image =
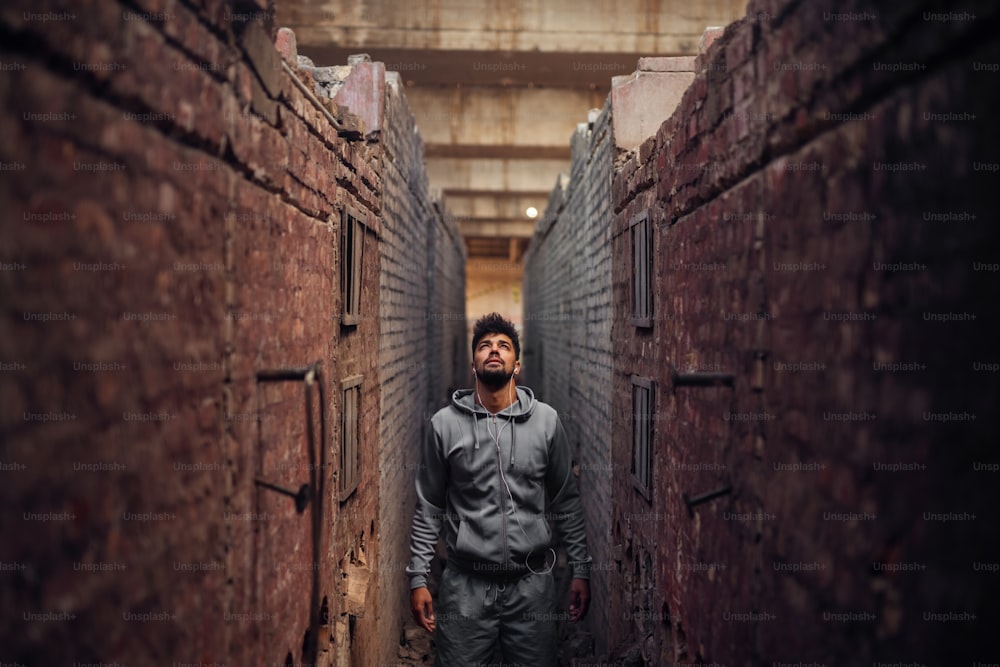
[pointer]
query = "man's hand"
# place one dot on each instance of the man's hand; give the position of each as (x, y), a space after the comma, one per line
(423, 608)
(579, 599)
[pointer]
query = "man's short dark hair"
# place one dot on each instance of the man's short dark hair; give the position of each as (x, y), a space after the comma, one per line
(494, 323)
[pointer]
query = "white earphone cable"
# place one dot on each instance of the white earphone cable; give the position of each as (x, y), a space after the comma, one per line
(503, 478)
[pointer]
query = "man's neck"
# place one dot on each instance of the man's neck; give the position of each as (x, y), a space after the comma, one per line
(495, 400)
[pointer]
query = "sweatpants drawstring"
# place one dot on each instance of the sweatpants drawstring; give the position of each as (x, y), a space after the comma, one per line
(500, 588)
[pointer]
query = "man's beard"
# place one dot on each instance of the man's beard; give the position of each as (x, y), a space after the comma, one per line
(494, 378)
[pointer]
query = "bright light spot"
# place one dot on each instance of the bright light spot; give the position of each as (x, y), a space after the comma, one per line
(532, 212)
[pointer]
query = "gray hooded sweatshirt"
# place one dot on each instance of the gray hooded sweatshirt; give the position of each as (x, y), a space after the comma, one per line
(485, 480)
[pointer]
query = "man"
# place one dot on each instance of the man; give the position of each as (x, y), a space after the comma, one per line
(490, 462)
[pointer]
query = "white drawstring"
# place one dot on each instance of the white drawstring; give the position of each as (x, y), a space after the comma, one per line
(503, 478)
(500, 588)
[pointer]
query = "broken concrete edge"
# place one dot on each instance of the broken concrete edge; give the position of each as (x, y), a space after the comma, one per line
(347, 124)
(363, 93)
(656, 65)
(645, 99)
(269, 58)
(666, 64)
(358, 87)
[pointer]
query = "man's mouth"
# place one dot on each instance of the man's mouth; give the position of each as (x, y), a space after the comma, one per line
(494, 361)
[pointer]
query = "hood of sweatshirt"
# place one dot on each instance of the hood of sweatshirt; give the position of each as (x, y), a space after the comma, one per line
(465, 401)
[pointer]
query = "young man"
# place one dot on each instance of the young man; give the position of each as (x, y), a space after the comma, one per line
(496, 465)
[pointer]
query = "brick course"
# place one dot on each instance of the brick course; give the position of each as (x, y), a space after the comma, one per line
(175, 200)
(567, 333)
(776, 216)
(422, 310)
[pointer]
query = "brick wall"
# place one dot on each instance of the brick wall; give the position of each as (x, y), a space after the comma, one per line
(448, 357)
(821, 201)
(172, 223)
(422, 308)
(567, 332)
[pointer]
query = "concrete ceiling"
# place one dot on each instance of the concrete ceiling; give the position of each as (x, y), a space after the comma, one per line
(497, 87)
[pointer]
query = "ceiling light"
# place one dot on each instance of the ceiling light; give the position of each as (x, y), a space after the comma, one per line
(531, 212)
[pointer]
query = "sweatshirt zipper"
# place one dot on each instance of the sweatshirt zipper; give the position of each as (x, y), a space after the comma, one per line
(503, 512)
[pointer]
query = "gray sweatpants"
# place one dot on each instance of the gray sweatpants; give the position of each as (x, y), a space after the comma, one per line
(474, 614)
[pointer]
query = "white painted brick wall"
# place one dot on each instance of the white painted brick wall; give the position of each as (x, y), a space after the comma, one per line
(568, 313)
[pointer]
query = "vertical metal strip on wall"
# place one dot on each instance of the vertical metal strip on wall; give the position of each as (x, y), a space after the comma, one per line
(313, 491)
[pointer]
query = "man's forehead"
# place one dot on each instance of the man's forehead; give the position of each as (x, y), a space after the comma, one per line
(491, 337)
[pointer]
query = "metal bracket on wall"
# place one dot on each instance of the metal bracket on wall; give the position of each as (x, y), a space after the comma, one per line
(702, 379)
(313, 491)
(704, 498)
(302, 496)
(310, 375)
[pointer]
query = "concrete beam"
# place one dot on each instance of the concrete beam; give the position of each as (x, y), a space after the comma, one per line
(533, 177)
(512, 118)
(508, 228)
(480, 151)
(420, 67)
(636, 26)
(492, 207)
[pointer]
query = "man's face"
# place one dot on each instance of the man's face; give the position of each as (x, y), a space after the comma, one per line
(494, 359)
